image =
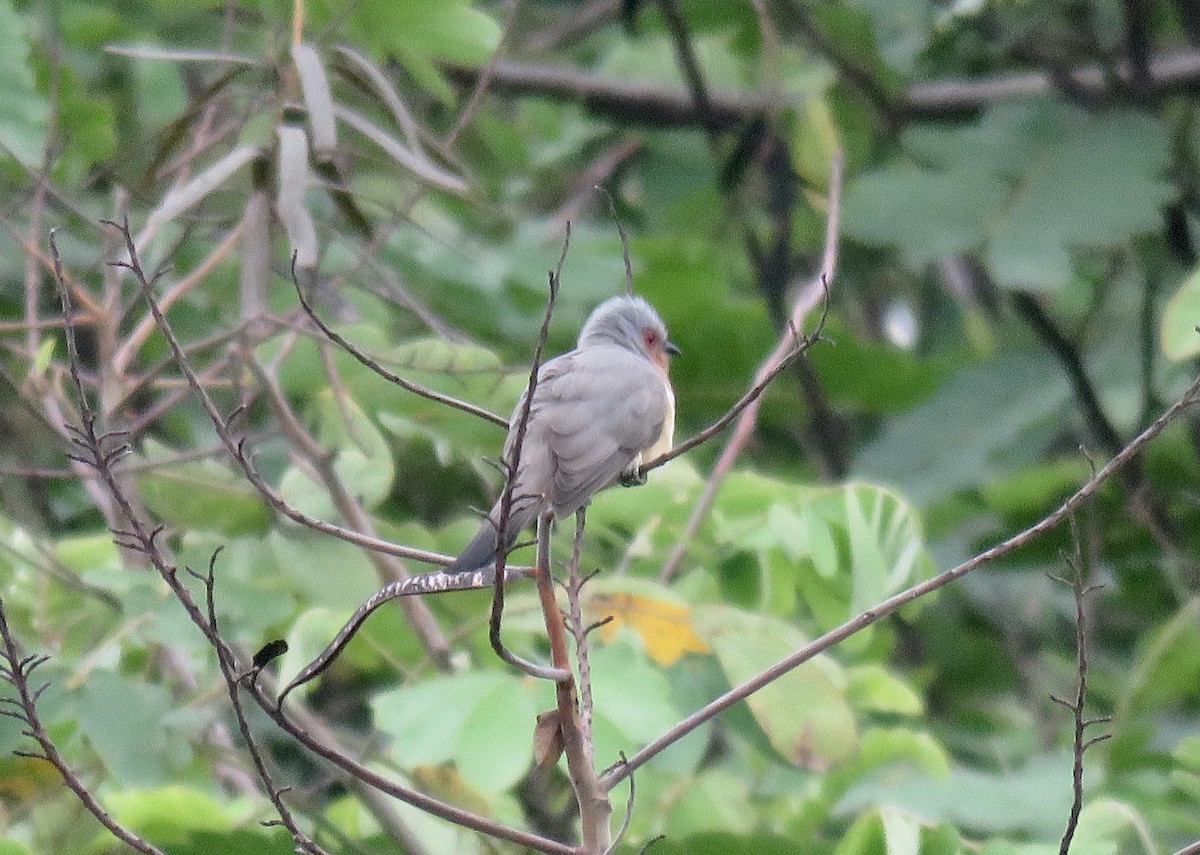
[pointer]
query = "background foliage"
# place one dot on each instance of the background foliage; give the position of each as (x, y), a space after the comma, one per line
(1016, 280)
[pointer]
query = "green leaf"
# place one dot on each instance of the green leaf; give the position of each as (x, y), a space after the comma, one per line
(327, 571)
(1031, 800)
(428, 720)
(988, 417)
(202, 494)
(169, 814)
(1107, 826)
(494, 748)
(1029, 184)
(24, 113)
(805, 714)
(1180, 318)
(363, 459)
(715, 800)
(632, 699)
(886, 550)
(926, 214)
(450, 30)
(901, 830)
(874, 688)
(126, 723)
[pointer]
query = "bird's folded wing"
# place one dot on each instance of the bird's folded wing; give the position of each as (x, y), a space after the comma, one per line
(597, 408)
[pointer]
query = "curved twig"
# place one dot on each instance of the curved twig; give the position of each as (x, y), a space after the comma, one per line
(390, 376)
(556, 673)
(436, 582)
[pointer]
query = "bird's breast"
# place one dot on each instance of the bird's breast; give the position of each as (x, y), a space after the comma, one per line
(666, 437)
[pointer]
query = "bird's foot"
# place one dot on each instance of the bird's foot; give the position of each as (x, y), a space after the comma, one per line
(634, 477)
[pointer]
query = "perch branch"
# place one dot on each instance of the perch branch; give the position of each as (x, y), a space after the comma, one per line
(888, 606)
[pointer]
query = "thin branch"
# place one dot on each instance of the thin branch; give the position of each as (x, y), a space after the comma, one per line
(612, 209)
(628, 814)
(1147, 507)
(1080, 742)
(145, 540)
(229, 671)
(513, 466)
(17, 673)
(388, 567)
(785, 352)
(438, 582)
(689, 65)
(890, 605)
(236, 447)
(390, 376)
(137, 337)
(313, 734)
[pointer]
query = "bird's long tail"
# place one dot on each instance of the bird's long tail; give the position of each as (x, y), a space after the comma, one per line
(481, 551)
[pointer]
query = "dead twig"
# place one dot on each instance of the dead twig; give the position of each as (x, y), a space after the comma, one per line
(1080, 742)
(512, 465)
(23, 708)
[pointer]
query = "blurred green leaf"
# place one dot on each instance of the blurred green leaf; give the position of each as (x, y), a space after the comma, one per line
(124, 721)
(202, 493)
(1180, 318)
(1028, 184)
(805, 713)
(873, 688)
(23, 110)
(988, 417)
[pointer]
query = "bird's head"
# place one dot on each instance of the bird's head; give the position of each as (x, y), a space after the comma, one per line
(632, 323)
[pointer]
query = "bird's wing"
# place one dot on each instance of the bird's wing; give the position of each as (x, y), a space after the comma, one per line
(596, 409)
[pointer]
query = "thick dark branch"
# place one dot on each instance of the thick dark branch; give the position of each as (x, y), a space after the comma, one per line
(625, 100)
(648, 104)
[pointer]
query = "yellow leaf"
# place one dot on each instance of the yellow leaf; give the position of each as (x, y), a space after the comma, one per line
(665, 627)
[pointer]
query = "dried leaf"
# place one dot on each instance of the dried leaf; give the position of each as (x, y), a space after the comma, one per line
(665, 627)
(422, 167)
(182, 198)
(318, 100)
(547, 739)
(289, 200)
(390, 97)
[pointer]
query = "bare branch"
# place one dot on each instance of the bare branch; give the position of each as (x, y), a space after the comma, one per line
(17, 673)
(388, 567)
(559, 672)
(390, 376)
(236, 447)
(229, 671)
(145, 540)
(890, 605)
(1080, 743)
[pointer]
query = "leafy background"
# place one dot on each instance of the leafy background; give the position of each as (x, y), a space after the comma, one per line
(1016, 280)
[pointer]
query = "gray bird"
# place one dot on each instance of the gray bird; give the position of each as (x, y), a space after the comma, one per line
(599, 412)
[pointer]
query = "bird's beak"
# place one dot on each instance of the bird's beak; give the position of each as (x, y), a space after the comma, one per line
(672, 348)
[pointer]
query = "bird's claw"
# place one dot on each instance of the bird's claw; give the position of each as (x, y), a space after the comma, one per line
(634, 477)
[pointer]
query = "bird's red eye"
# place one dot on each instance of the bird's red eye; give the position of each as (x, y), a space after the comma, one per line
(650, 337)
